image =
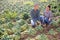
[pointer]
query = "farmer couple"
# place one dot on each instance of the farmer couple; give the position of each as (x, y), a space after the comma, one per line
(37, 18)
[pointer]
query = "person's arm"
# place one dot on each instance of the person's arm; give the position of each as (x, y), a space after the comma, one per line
(51, 16)
(44, 14)
(38, 22)
(38, 14)
(31, 13)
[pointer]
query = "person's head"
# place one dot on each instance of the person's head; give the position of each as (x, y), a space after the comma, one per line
(36, 6)
(48, 7)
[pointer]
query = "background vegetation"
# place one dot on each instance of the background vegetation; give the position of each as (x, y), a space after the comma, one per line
(15, 19)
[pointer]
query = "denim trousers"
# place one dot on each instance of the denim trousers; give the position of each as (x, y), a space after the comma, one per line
(42, 19)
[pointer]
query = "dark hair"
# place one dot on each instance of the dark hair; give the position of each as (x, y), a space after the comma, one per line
(49, 6)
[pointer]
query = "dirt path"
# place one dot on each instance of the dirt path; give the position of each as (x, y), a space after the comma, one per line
(37, 33)
(45, 31)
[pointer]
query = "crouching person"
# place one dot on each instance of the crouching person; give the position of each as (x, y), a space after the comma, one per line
(35, 15)
(48, 15)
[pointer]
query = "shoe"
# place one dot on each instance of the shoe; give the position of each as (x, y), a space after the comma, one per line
(33, 26)
(38, 23)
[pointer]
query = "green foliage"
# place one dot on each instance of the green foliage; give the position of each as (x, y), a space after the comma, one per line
(9, 31)
(18, 11)
(39, 27)
(5, 37)
(1, 32)
(42, 37)
(1, 22)
(17, 18)
(21, 22)
(28, 38)
(56, 14)
(10, 15)
(29, 2)
(5, 26)
(52, 32)
(16, 28)
(17, 37)
(29, 20)
(58, 21)
(24, 27)
(10, 37)
(25, 16)
(55, 7)
(31, 31)
(10, 25)
(58, 29)
(54, 24)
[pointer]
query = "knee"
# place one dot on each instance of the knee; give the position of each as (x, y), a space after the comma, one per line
(32, 22)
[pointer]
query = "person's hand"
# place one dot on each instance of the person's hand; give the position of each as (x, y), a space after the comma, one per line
(49, 19)
(38, 23)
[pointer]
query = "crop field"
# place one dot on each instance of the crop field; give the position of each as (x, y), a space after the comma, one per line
(15, 20)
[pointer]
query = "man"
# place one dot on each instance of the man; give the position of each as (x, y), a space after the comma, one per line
(35, 15)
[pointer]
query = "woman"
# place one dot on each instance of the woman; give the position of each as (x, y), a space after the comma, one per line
(47, 16)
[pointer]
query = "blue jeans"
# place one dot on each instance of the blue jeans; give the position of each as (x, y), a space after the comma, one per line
(47, 21)
(44, 20)
(33, 21)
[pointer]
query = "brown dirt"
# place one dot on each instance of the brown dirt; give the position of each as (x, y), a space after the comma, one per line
(31, 36)
(58, 36)
(51, 37)
(45, 31)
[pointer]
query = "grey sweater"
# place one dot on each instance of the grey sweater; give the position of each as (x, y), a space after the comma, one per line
(48, 14)
(35, 14)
